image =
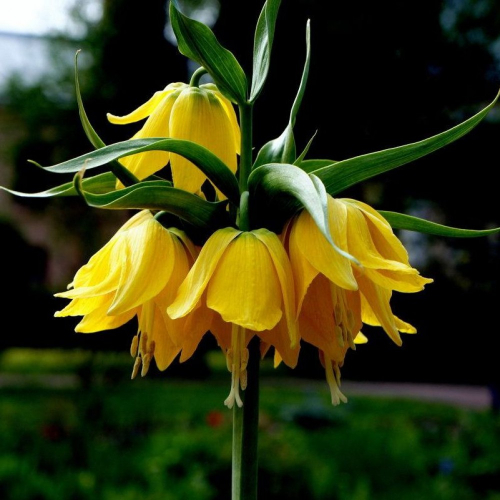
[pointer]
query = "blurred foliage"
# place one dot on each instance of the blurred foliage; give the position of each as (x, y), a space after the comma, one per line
(167, 439)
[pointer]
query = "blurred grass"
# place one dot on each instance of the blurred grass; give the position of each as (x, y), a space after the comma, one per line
(109, 438)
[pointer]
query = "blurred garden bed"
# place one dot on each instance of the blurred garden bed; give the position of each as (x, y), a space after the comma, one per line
(105, 437)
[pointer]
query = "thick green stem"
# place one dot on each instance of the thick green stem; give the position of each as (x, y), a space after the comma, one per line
(246, 115)
(245, 432)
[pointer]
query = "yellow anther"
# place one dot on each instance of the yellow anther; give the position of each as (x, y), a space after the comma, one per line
(133, 347)
(135, 369)
(146, 360)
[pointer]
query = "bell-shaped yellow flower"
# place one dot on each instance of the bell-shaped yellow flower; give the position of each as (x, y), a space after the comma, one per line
(246, 279)
(198, 114)
(137, 273)
(334, 296)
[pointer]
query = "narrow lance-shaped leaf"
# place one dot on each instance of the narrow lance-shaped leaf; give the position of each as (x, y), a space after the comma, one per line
(346, 173)
(158, 195)
(122, 173)
(282, 149)
(102, 183)
(198, 42)
(264, 36)
(313, 165)
(282, 189)
(214, 168)
(411, 223)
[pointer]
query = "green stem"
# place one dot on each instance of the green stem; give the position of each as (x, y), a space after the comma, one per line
(125, 176)
(246, 432)
(246, 116)
(195, 79)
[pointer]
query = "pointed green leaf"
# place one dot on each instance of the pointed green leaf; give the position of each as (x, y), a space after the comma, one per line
(264, 36)
(279, 190)
(302, 155)
(158, 195)
(411, 223)
(198, 42)
(102, 183)
(313, 165)
(91, 134)
(215, 169)
(122, 173)
(282, 149)
(346, 173)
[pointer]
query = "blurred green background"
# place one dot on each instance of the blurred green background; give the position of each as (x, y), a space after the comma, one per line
(383, 74)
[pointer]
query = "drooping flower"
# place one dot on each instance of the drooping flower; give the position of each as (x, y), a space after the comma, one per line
(180, 111)
(137, 273)
(334, 295)
(245, 278)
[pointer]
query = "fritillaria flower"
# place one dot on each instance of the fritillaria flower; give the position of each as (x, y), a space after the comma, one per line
(137, 273)
(245, 278)
(180, 111)
(334, 295)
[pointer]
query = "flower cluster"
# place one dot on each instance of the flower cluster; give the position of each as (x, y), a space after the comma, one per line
(250, 247)
(283, 288)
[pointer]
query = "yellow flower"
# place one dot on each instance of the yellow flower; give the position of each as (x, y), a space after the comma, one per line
(137, 273)
(198, 114)
(245, 278)
(334, 296)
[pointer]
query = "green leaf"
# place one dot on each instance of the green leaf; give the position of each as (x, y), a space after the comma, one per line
(215, 169)
(126, 177)
(279, 190)
(346, 173)
(264, 36)
(302, 155)
(411, 223)
(313, 165)
(198, 42)
(282, 149)
(99, 184)
(158, 195)
(91, 134)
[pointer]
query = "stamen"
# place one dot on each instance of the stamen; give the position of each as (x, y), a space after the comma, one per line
(146, 360)
(339, 335)
(333, 380)
(135, 369)
(134, 346)
(237, 360)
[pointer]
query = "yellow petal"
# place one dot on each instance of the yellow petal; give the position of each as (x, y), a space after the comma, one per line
(284, 271)
(303, 272)
(198, 116)
(279, 338)
(147, 265)
(151, 322)
(383, 236)
(98, 320)
(319, 252)
(81, 307)
(377, 299)
(317, 320)
(197, 280)
(143, 111)
(360, 338)
(229, 109)
(245, 289)
(408, 281)
(361, 245)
